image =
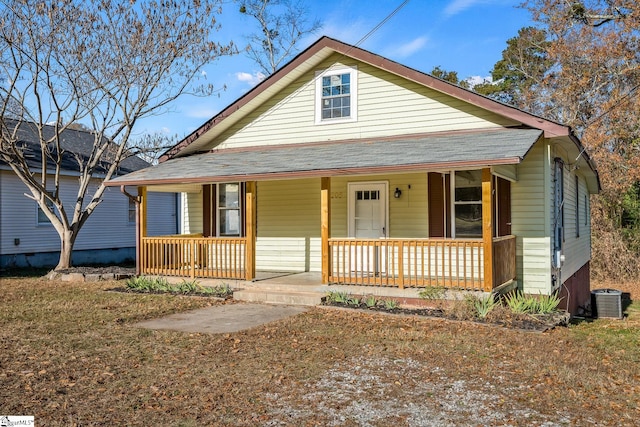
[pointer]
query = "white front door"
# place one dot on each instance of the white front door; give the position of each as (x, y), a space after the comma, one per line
(368, 220)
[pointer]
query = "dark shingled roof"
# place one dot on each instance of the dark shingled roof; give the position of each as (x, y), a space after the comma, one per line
(441, 150)
(76, 146)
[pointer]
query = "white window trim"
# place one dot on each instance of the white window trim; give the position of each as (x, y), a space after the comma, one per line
(353, 71)
(452, 197)
(219, 208)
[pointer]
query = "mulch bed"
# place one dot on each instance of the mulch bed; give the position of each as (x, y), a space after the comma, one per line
(500, 317)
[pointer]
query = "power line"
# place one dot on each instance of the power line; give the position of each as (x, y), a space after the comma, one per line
(384, 21)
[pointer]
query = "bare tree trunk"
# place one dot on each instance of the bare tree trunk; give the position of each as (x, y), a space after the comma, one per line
(67, 239)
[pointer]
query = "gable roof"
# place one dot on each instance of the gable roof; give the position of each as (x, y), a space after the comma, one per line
(443, 150)
(308, 59)
(76, 145)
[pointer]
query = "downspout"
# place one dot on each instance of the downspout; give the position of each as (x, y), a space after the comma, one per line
(136, 200)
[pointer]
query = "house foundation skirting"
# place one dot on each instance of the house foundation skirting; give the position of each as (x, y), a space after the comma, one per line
(50, 259)
(576, 291)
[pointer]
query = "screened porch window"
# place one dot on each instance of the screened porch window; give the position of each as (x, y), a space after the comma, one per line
(467, 203)
(229, 213)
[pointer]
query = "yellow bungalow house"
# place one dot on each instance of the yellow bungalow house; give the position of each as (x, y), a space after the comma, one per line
(368, 172)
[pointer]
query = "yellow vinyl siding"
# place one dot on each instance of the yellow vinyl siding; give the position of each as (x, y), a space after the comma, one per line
(387, 106)
(407, 215)
(191, 213)
(288, 225)
(529, 217)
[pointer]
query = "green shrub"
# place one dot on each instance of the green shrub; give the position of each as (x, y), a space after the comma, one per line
(371, 301)
(338, 297)
(483, 305)
(391, 304)
(518, 302)
(187, 287)
(148, 284)
(222, 291)
(548, 303)
(353, 301)
(160, 284)
(432, 292)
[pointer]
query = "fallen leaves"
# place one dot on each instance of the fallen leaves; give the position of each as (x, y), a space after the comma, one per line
(79, 365)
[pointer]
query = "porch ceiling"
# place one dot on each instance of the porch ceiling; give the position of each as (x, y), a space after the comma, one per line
(364, 156)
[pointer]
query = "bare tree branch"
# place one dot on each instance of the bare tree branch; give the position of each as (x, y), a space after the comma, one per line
(282, 24)
(103, 65)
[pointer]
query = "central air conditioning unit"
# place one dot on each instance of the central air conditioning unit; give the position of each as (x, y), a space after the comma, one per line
(606, 303)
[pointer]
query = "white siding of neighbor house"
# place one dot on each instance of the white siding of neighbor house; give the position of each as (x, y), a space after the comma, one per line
(108, 226)
(388, 105)
(530, 221)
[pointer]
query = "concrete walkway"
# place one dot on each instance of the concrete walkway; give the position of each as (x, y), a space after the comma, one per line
(223, 318)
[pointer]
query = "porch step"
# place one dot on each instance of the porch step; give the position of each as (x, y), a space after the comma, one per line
(271, 296)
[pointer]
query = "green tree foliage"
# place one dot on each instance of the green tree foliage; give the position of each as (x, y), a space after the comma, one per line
(517, 77)
(449, 76)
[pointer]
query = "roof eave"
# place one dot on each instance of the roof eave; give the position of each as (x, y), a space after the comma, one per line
(373, 170)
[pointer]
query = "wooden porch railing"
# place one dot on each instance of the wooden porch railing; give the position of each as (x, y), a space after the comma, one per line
(450, 263)
(407, 262)
(194, 256)
(504, 259)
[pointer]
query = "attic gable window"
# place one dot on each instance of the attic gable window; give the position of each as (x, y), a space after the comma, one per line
(336, 95)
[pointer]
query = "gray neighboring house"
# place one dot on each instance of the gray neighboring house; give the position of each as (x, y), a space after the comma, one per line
(27, 238)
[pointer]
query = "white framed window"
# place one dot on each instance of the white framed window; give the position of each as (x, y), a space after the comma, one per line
(229, 210)
(467, 203)
(336, 95)
(41, 217)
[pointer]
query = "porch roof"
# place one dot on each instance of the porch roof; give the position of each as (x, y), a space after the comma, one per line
(450, 150)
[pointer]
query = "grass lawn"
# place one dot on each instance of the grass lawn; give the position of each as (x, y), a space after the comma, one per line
(70, 355)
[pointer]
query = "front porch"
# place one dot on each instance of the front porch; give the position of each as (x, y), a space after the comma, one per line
(397, 263)
(480, 263)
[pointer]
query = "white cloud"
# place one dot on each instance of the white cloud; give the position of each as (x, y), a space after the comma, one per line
(251, 79)
(476, 80)
(408, 49)
(458, 6)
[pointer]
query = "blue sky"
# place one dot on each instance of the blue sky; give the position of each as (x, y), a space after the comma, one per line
(467, 36)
